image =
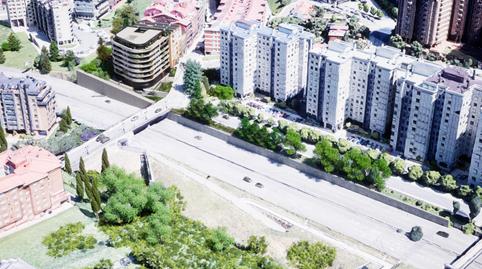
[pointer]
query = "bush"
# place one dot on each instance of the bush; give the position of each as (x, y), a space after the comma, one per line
(172, 72)
(468, 228)
(416, 233)
(257, 245)
(415, 172)
(219, 240)
(165, 86)
(305, 255)
(222, 92)
(67, 239)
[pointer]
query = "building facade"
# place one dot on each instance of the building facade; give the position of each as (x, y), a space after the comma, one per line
(91, 9)
(31, 185)
(54, 18)
(143, 54)
(271, 61)
(20, 13)
(432, 22)
(27, 105)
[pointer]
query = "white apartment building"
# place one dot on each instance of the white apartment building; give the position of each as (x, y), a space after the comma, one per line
(475, 170)
(345, 83)
(258, 58)
(53, 17)
(91, 9)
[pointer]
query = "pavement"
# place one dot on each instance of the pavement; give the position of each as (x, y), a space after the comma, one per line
(361, 218)
(87, 106)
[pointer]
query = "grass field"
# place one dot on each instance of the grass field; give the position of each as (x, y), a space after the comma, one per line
(18, 59)
(27, 243)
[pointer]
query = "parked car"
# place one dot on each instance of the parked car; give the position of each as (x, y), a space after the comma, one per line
(259, 185)
(102, 139)
(443, 234)
(247, 179)
(225, 116)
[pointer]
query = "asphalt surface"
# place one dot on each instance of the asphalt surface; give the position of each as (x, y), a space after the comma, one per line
(368, 221)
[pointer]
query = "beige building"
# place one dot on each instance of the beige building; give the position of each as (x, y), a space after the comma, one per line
(27, 105)
(31, 185)
(143, 54)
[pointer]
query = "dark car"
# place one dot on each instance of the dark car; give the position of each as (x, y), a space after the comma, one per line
(443, 234)
(259, 185)
(102, 139)
(247, 179)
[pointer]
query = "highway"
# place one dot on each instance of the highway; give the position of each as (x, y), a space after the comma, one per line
(368, 221)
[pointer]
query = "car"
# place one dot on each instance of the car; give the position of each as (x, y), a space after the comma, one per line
(443, 234)
(134, 118)
(158, 110)
(102, 139)
(247, 179)
(226, 116)
(198, 137)
(259, 185)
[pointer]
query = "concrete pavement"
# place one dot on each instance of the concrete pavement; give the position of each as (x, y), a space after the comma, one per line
(356, 216)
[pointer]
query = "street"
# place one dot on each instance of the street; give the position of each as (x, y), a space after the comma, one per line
(356, 216)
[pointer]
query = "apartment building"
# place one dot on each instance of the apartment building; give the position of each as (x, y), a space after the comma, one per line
(436, 113)
(20, 13)
(345, 83)
(27, 105)
(54, 18)
(432, 22)
(31, 185)
(91, 9)
(475, 170)
(144, 53)
(189, 15)
(257, 58)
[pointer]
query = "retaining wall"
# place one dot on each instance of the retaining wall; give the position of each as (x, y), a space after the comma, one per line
(112, 90)
(314, 172)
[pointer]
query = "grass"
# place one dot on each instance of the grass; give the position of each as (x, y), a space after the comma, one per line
(27, 244)
(276, 6)
(165, 86)
(435, 210)
(17, 59)
(141, 5)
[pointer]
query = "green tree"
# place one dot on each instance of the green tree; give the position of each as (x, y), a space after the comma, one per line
(293, 142)
(2, 57)
(105, 160)
(14, 43)
(305, 255)
(474, 206)
(257, 244)
(464, 191)
(192, 76)
(415, 172)
(67, 166)
(103, 263)
(448, 183)
(416, 233)
(104, 54)
(43, 63)
(456, 207)
(69, 60)
(67, 115)
(123, 17)
(54, 54)
(417, 48)
(3, 140)
(430, 177)
(79, 186)
(219, 240)
(201, 111)
(222, 92)
(343, 145)
(398, 167)
(82, 166)
(397, 41)
(63, 126)
(327, 155)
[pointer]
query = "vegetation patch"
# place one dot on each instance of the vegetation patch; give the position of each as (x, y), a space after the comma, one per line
(67, 239)
(305, 255)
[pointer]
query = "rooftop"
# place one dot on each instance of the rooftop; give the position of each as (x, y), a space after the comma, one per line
(456, 79)
(137, 35)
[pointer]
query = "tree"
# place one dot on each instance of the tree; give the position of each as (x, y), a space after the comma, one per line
(123, 17)
(103, 52)
(474, 206)
(103, 264)
(398, 167)
(82, 166)
(293, 142)
(305, 255)
(343, 145)
(192, 76)
(14, 43)
(43, 62)
(416, 233)
(3, 140)
(79, 186)
(415, 172)
(222, 92)
(63, 126)
(201, 111)
(2, 57)
(68, 116)
(430, 177)
(456, 207)
(417, 48)
(69, 60)
(327, 154)
(54, 54)
(397, 41)
(67, 166)
(464, 191)
(448, 183)
(219, 240)
(105, 160)
(257, 244)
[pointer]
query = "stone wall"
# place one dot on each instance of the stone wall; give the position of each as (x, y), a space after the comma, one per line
(112, 90)
(318, 174)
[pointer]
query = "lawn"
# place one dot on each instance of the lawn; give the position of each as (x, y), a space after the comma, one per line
(18, 59)
(141, 5)
(27, 244)
(277, 5)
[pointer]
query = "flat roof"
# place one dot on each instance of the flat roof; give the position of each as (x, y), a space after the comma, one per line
(137, 35)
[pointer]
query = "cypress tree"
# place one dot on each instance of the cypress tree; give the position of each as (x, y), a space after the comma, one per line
(54, 53)
(82, 167)
(68, 116)
(2, 57)
(67, 166)
(3, 140)
(79, 187)
(105, 160)
(95, 192)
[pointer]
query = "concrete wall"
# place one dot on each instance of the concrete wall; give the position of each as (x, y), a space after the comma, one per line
(318, 174)
(112, 90)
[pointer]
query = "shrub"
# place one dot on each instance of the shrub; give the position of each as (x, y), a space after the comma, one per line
(67, 239)
(305, 255)
(257, 245)
(219, 240)
(464, 191)
(468, 228)
(172, 72)
(222, 92)
(415, 172)
(416, 233)
(398, 167)
(430, 177)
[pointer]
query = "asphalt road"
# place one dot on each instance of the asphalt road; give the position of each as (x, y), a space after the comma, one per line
(346, 212)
